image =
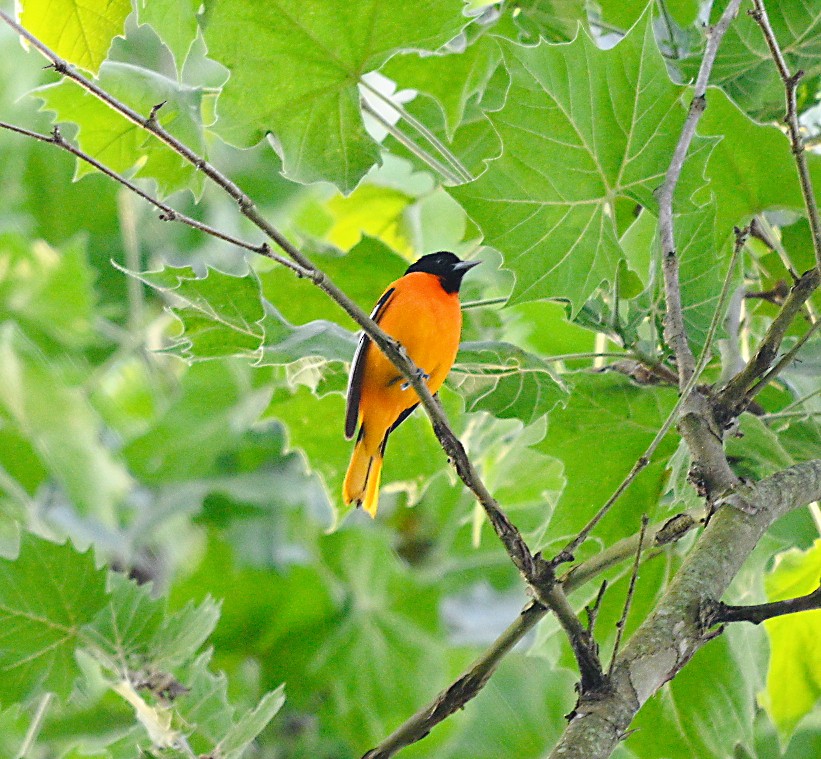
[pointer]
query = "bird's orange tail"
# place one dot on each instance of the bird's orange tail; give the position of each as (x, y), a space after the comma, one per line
(362, 479)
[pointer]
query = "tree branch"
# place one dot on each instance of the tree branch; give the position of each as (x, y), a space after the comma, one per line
(536, 572)
(667, 640)
(733, 397)
(683, 403)
(167, 212)
(468, 685)
(675, 332)
(791, 119)
(717, 612)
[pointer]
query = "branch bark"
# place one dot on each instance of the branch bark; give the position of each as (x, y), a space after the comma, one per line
(675, 332)
(716, 612)
(471, 682)
(667, 640)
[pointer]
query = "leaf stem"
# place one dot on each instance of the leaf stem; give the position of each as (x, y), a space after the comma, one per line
(35, 726)
(409, 144)
(454, 162)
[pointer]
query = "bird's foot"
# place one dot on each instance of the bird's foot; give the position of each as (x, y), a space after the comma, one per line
(421, 374)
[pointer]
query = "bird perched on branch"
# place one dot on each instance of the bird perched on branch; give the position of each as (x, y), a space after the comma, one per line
(421, 310)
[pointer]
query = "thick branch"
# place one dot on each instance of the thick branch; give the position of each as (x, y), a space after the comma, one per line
(466, 687)
(667, 640)
(717, 612)
(674, 330)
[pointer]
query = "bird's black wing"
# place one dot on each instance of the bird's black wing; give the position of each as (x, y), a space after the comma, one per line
(358, 367)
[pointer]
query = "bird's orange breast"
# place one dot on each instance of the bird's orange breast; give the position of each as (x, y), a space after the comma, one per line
(427, 321)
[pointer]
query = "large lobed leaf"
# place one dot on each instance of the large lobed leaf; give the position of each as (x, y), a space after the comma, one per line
(573, 145)
(79, 32)
(295, 67)
(47, 595)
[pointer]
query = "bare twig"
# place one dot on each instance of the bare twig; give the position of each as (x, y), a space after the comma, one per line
(471, 682)
(629, 598)
(167, 212)
(674, 330)
(791, 80)
(731, 400)
(783, 362)
(566, 554)
(717, 612)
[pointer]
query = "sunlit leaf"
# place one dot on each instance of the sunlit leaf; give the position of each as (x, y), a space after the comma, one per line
(319, 57)
(794, 676)
(83, 33)
(548, 202)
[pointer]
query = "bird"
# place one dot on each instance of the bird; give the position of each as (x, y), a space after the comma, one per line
(421, 310)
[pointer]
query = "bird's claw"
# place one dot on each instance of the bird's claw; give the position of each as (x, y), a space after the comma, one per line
(421, 374)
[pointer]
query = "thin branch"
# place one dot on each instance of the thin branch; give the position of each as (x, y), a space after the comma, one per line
(791, 81)
(471, 682)
(783, 362)
(167, 212)
(675, 332)
(717, 612)
(629, 598)
(566, 554)
(731, 400)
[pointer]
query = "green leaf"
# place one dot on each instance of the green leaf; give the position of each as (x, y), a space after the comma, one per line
(220, 314)
(707, 710)
(363, 274)
(216, 402)
(76, 31)
(210, 721)
(611, 421)
(505, 381)
(49, 293)
(451, 79)
(548, 202)
(389, 620)
(60, 426)
(175, 22)
(744, 66)
(47, 595)
(745, 182)
(123, 146)
(134, 632)
(794, 675)
(552, 20)
(319, 57)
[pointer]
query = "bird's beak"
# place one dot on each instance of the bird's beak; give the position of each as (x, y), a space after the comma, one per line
(465, 265)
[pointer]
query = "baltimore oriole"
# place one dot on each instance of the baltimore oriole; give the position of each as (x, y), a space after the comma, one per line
(421, 310)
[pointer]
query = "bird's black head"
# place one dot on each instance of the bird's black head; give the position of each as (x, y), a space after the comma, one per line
(446, 266)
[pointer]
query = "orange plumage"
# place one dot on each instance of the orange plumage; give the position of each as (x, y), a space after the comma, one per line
(421, 310)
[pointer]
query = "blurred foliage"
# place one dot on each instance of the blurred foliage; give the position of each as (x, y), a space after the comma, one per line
(172, 406)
